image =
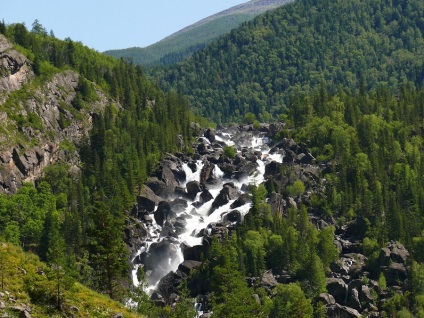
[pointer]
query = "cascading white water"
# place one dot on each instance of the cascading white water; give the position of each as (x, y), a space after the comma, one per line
(199, 218)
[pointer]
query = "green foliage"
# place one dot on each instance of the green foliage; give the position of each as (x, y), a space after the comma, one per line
(290, 301)
(297, 189)
(230, 152)
(298, 48)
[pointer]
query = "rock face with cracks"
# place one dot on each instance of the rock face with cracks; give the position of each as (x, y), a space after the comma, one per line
(26, 149)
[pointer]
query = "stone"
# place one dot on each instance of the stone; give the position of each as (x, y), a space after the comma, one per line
(188, 266)
(233, 216)
(205, 196)
(338, 311)
(268, 280)
(210, 134)
(193, 187)
(354, 301)
(179, 205)
(228, 192)
(196, 252)
(164, 212)
(395, 274)
(326, 299)
(338, 289)
(157, 186)
(206, 172)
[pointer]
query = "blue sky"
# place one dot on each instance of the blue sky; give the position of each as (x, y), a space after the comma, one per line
(107, 24)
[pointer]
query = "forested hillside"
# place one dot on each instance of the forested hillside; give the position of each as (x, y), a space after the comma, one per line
(259, 66)
(176, 48)
(183, 43)
(74, 218)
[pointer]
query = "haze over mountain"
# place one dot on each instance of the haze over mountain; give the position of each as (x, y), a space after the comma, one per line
(185, 42)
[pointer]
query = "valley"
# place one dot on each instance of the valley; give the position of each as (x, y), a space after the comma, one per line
(275, 173)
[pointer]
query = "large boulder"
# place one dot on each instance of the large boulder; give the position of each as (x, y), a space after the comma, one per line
(233, 216)
(241, 200)
(326, 299)
(338, 289)
(157, 186)
(393, 252)
(178, 205)
(229, 192)
(164, 212)
(193, 187)
(338, 311)
(188, 266)
(206, 172)
(196, 252)
(210, 134)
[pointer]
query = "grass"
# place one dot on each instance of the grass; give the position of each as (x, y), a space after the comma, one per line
(23, 272)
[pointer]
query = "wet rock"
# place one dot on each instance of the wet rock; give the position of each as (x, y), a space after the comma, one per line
(229, 192)
(206, 172)
(233, 216)
(193, 187)
(242, 200)
(196, 252)
(210, 134)
(246, 170)
(164, 212)
(188, 266)
(179, 205)
(168, 230)
(205, 196)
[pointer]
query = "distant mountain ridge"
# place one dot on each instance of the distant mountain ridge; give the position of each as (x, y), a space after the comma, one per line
(252, 8)
(181, 44)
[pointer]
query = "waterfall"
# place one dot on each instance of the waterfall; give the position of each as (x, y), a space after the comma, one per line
(168, 253)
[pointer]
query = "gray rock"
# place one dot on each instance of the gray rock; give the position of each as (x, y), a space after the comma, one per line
(228, 192)
(338, 311)
(193, 187)
(188, 266)
(338, 289)
(326, 299)
(164, 212)
(268, 280)
(210, 134)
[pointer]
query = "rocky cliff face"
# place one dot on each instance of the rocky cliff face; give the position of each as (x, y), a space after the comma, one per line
(15, 69)
(39, 125)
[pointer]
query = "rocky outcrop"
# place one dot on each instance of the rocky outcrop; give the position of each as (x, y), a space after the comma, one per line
(55, 126)
(15, 69)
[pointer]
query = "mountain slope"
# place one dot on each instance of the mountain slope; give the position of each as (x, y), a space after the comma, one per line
(297, 47)
(185, 42)
(80, 131)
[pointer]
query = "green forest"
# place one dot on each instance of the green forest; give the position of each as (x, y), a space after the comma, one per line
(77, 220)
(292, 50)
(345, 78)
